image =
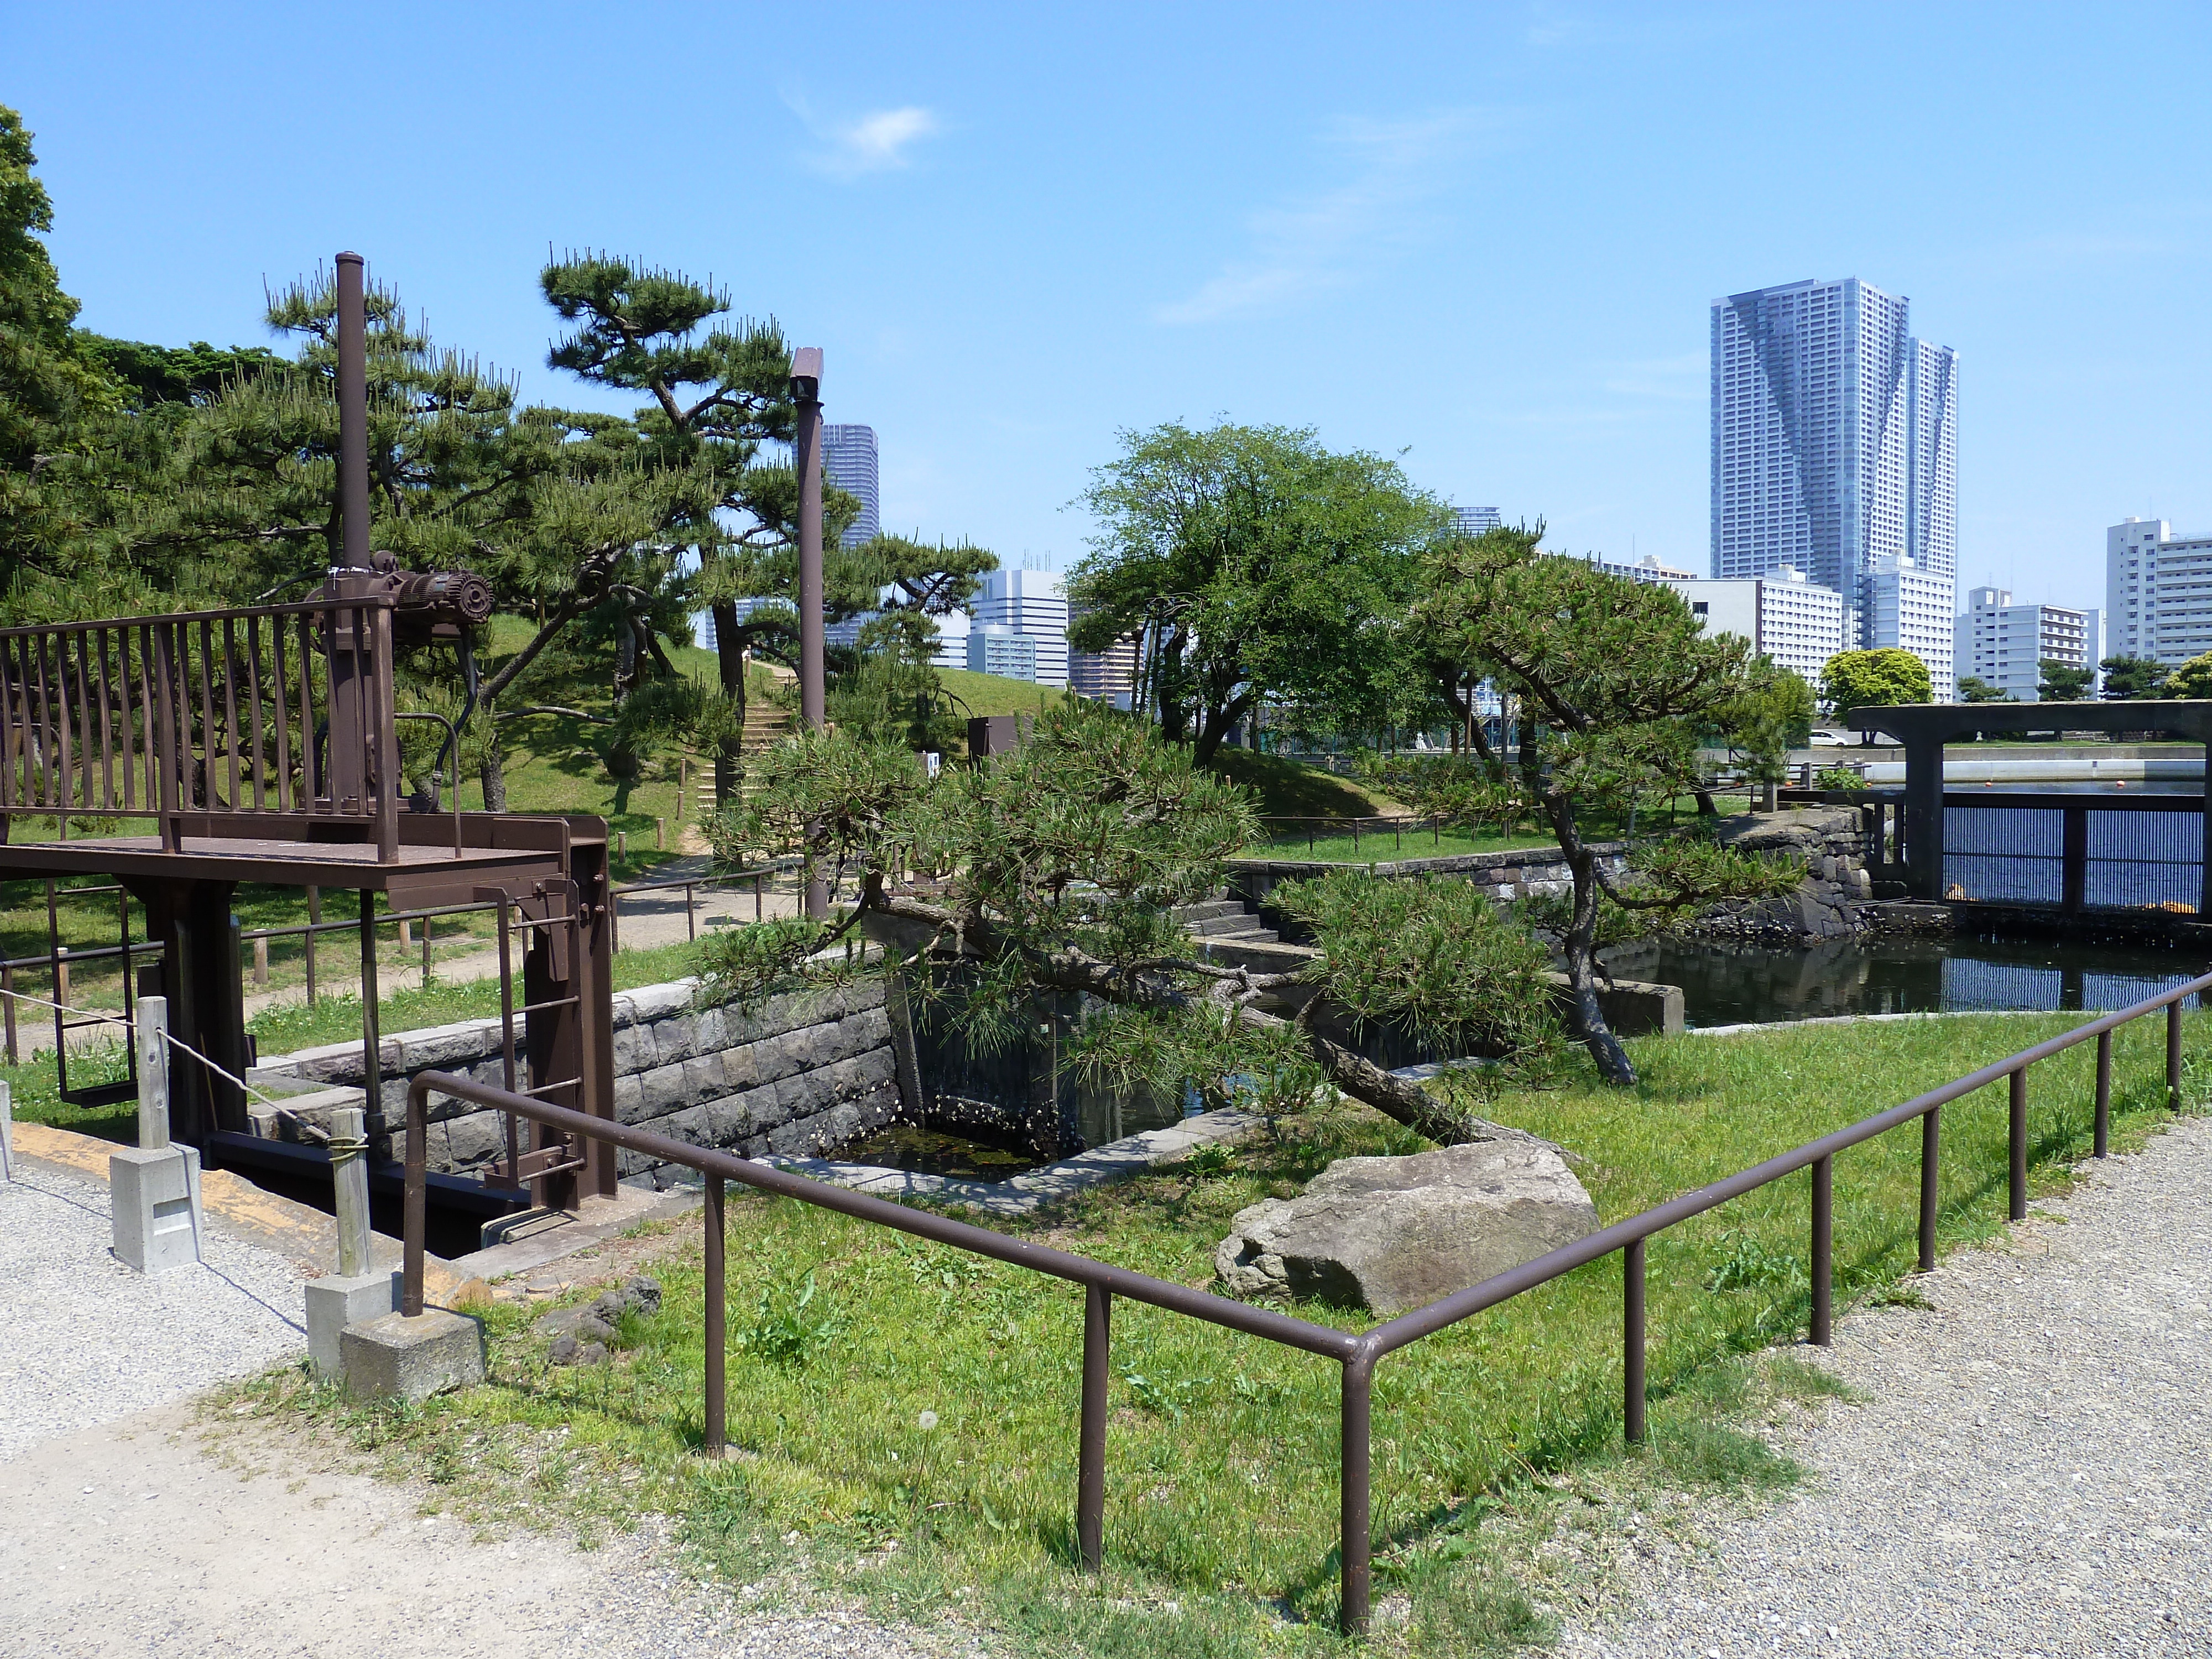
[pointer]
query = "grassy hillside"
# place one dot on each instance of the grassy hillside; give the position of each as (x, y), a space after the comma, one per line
(1290, 789)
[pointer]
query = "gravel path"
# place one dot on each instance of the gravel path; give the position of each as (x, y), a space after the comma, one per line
(88, 1340)
(131, 1541)
(2025, 1473)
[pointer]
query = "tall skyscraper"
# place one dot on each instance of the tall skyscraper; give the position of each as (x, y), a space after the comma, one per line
(1033, 603)
(1834, 450)
(1473, 520)
(2158, 592)
(848, 461)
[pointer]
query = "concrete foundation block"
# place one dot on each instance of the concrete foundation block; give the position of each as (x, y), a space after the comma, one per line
(156, 1198)
(336, 1302)
(394, 1357)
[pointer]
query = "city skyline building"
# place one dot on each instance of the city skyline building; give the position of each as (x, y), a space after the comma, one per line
(1008, 653)
(1908, 609)
(1785, 614)
(1032, 603)
(1834, 447)
(2005, 645)
(2158, 592)
(1473, 520)
(849, 461)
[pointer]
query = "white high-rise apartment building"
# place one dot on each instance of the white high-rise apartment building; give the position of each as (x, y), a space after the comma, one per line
(1909, 609)
(2004, 645)
(2158, 592)
(1785, 614)
(1834, 447)
(1033, 603)
(1646, 569)
(1473, 520)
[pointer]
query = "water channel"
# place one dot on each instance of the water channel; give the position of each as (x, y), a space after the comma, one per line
(1736, 984)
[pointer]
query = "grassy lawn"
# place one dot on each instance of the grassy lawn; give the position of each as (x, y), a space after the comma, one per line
(905, 1433)
(1378, 843)
(1291, 788)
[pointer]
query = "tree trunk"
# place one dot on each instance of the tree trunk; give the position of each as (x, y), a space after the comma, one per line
(730, 661)
(1706, 807)
(1580, 951)
(493, 769)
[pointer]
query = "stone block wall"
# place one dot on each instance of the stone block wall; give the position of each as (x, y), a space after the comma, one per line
(801, 1074)
(1503, 877)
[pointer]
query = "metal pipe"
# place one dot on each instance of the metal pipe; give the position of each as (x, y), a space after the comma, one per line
(1824, 1223)
(1091, 1455)
(1931, 1138)
(2016, 1184)
(2103, 1133)
(353, 414)
(1632, 1344)
(372, 1044)
(2173, 1054)
(717, 1355)
(806, 457)
(1355, 1495)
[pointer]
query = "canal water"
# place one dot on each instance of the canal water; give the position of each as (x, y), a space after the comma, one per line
(1735, 984)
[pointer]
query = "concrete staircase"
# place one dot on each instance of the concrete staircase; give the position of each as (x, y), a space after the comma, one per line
(1227, 934)
(767, 724)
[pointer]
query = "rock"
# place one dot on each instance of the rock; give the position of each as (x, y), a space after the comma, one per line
(567, 1351)
(642, 1296)
(1388, 1234)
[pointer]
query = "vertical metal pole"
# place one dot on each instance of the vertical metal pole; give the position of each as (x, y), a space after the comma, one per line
(314, 916)
(7, 1003)
(1824, 1231)
(1355, 1496)
(372, 1046)
(716, 1428)
(2174, 1056)
(1090, 1447)
(353, 412)
(2017, 1186)
(1931, 1137)
(757, 896)
(414, 1220)
(426, 953)
(614, 921)
(506, 1042)
(690, 916)
(806, 457)
(1632, 1343)
(2103, 1139)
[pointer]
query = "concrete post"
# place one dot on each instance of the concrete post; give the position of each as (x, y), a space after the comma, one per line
(155, 1187)
(356, 1292)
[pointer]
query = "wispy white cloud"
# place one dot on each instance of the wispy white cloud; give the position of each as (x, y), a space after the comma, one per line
(1329, 240)
(877, 142)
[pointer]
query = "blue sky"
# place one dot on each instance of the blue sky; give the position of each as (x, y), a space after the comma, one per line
(1483, 238)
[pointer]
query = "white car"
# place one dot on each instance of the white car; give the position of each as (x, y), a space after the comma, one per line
(1829, 740)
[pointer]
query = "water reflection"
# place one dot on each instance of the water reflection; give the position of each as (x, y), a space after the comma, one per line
(1730, 984)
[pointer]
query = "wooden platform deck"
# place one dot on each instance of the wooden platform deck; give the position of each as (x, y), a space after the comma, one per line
(426, 875)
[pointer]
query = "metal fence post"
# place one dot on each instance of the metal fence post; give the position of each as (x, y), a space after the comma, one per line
(1355, 1496)
(2104, 1128)
(2173, 1055)
(1824, 1227)
(1091, 1446)
(1632, 1343)
(7, 1003)
(2017, 1185)
(1931, 1136)
(314, 918)
(717, 1416)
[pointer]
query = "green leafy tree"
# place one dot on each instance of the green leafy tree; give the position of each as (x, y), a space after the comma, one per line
(1054, 869)
(1256, 564)
(2127, 679)
(1974, 689)
(54, 391)
(2193, 679)
(2062, 681)
(1881, 678)
(1619, 684)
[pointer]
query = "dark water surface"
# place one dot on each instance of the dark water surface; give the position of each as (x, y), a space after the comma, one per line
(1730, 985)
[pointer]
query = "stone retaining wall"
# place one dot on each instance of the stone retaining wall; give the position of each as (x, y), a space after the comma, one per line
(1513, 874)
(800, 1075)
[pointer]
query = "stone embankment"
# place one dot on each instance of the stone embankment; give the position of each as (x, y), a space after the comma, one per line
(798, 1075)
(1837, 899)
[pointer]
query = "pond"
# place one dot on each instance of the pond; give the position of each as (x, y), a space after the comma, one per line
(1735, 984)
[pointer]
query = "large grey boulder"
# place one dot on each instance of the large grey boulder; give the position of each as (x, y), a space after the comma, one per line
(1388, 1234)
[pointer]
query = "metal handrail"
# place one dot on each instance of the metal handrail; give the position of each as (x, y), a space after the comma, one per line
(1357, 1353)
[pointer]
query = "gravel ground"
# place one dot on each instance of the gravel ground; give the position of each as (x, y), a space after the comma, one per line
(133, 1541)
(89, 1340)
(2023, 1471)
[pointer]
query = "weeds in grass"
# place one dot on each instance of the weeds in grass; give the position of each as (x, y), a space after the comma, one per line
(783, 1331)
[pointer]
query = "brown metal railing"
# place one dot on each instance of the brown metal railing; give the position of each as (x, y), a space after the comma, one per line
(1358, 1354)
(210, 711)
